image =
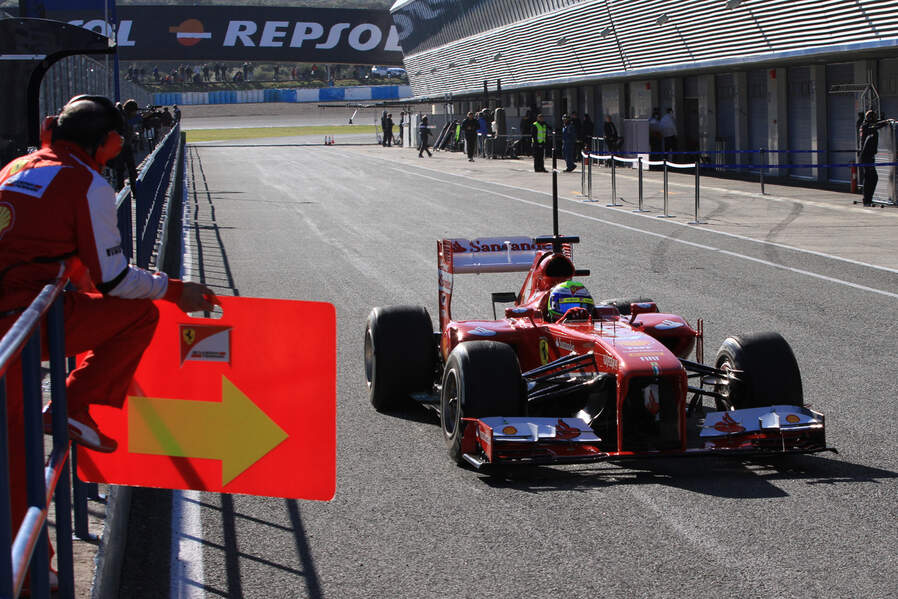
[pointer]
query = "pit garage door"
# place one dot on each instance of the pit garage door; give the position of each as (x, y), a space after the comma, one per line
(726, 119)
(841, 116)
(757, 115)
(801, 97)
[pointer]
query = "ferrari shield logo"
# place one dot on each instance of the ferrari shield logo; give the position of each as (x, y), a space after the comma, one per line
(7, 218)
(543, 351)
(205, 343)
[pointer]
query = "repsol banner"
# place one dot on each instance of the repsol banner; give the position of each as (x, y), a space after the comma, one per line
(248, 33)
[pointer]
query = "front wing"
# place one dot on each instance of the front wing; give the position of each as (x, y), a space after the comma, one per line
(772, 430)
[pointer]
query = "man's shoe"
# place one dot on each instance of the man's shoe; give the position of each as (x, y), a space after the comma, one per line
(83, 430)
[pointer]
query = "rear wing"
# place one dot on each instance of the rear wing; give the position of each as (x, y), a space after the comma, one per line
(487, 255)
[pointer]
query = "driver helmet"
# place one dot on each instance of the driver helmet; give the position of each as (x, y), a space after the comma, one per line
(567, 295)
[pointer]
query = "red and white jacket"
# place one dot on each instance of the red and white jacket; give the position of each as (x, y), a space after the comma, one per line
(55, 207)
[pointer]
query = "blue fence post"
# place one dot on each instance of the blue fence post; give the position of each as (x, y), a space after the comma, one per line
(34, 460)
(763, 168)
(6, 581)
(63, 494)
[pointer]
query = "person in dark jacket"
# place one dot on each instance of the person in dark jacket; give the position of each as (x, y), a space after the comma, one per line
(424, 137)
(469, 128)
(587, 130)
(869, 146)
(612, 139)
(388, 131)
(569, 144)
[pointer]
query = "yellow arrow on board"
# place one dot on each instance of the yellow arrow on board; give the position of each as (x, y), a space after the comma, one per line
(234, 431)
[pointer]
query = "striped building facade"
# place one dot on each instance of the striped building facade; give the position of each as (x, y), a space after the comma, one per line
(738, 74)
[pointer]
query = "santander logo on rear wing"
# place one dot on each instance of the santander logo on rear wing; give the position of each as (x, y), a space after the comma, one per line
(484, 255)
(489, 254)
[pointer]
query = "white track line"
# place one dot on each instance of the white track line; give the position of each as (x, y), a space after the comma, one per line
(187, 577)
(681, 241)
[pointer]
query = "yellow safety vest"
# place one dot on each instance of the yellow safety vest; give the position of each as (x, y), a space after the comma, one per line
(541, 129)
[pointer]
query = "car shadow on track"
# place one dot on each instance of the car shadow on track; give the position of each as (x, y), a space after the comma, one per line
(717, 477)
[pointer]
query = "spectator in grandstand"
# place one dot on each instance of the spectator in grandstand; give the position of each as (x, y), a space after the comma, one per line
(424, 138)
(469, 128)
(55, 209)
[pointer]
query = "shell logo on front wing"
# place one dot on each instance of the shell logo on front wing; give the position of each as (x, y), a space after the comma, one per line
(509, 430)
(565, 431)
(793, 419)
(728, 425)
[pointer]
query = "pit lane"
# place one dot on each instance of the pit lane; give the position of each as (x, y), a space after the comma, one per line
(357, 228)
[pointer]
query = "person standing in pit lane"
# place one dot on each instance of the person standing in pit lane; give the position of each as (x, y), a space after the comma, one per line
(469, 127)
(569, 144)
(388, 131)
(424, 136)
(539, 132)
(57, 210)
(869, 147)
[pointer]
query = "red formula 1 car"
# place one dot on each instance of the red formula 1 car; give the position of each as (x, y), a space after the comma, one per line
(604, 380)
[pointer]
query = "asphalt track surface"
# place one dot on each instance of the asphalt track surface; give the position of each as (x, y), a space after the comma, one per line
(346, 226)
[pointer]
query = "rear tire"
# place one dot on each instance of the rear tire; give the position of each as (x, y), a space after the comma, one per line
(400, 355)
(481, 378)
(623, 304)
(769, 371)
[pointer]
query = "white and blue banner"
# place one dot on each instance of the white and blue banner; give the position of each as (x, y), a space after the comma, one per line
(366, 93)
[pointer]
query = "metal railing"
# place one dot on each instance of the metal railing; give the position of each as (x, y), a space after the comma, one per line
(139, 226)
(44, 480)
(138, 218)
(640, 161)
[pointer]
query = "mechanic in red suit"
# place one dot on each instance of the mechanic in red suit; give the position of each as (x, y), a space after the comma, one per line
(56, 210)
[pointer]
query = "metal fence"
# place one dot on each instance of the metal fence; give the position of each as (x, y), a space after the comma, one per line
(29, 545)
(81, 74)
(139, 216)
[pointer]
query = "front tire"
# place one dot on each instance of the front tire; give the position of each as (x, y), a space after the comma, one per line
(481, 378)
(400, 355)
(764, 372)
